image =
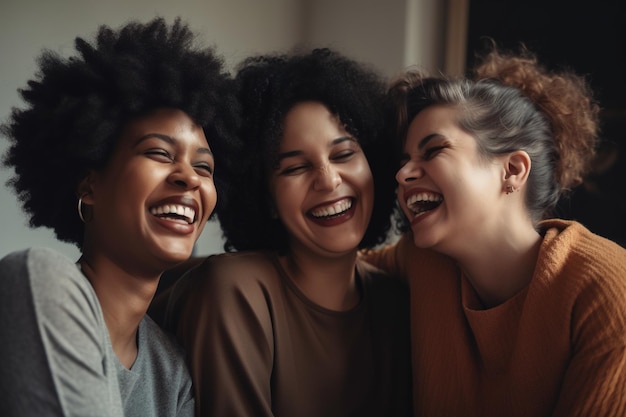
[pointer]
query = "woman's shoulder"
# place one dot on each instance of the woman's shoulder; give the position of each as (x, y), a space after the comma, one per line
(583, 267)
(233, 272)
(36, 257)
(569, 245)
(243, 265)
(241, 261)
(231, 283)
(45, 270)
(379, 283)
(587, 273)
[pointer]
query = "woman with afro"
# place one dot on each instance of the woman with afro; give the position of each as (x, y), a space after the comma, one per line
(116, 151)
(293, 324)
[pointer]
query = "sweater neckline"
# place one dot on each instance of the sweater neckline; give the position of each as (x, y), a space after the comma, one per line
(291, 286)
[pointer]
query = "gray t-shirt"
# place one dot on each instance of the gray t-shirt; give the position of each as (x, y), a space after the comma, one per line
(57, 355)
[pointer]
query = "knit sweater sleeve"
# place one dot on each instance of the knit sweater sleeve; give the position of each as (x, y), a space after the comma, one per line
(390, 258)
(595, 380)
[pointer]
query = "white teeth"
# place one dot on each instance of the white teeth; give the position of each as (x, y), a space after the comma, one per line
(422, 197)
(333, 209)
(183, 211)
(415, 201)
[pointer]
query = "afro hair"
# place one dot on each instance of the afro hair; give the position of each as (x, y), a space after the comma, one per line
(78, 106)
(269, 86)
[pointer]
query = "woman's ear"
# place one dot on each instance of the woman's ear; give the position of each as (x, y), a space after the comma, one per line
(517, 169)
(85, 190)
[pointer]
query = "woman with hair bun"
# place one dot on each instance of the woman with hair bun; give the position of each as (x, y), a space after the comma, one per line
(512, 313)
(115, 151)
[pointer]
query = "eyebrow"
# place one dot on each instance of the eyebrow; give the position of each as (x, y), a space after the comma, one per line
(427, 139)
(290, 154)
(169, 140)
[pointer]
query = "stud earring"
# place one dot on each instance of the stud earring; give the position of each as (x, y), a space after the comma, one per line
(509, 189)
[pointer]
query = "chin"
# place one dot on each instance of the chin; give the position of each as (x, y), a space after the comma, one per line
(176, 255)
(343, 249)
(423, 240)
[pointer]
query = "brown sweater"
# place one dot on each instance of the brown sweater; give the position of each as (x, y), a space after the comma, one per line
(557, 348)
(258, 347)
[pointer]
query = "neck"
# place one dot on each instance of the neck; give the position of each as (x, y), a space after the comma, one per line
(501, 268)
(327, 281)
(124, 298)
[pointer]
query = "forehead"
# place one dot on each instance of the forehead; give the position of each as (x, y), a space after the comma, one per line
(435, 116)
(167, 120)
(434, 119)
(310, 121)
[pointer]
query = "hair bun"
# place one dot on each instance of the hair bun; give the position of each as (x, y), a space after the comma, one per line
(563, 97)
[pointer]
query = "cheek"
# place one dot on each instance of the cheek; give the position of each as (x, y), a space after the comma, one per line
(137, 181)
(285, 207)
(123, 186)
(365, 181)
(369, 194)
(209, 198)
(286, 193)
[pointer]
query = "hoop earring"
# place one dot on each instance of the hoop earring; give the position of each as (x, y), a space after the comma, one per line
(80, 209)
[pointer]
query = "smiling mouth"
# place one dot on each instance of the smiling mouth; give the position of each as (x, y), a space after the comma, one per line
(175, 212)
(330, 211)
(423, 202)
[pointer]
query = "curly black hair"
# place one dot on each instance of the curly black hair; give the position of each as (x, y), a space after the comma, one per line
(77, 108)
(269, 86)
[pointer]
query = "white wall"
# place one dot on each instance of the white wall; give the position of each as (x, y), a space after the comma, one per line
(368, 30)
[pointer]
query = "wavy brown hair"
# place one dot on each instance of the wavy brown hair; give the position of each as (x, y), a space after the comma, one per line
(513, 103)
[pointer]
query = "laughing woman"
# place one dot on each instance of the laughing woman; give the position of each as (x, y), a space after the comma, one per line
(513, 313)
(294, 324)
(129, 131)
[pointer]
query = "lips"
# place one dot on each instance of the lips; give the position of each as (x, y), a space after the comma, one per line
(333, 213)
(331, 210)
(175, 212)
(420, 202)
(177, 209)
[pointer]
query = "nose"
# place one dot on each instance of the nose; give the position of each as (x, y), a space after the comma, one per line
(409, 172)
(328, 178)
(184, 176)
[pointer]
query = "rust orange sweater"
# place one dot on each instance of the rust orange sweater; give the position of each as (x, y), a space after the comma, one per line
(557, 348)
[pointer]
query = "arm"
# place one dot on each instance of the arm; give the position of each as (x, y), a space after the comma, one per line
(595, 380)
(222, 317)
(389, 257)
(169, 277)
(158, 306)
(53, 348)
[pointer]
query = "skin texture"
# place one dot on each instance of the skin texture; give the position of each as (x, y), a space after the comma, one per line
(442, 160)
(160, 158)
(321, 166)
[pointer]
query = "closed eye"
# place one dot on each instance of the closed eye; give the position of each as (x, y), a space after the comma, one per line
(432, 151)
(343, 156)
(204, 169)
(293, 170)
(159, 154)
